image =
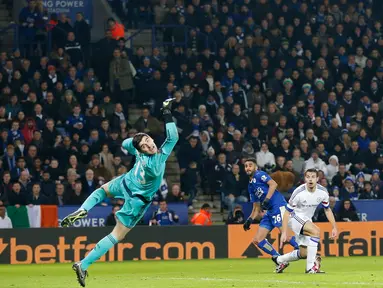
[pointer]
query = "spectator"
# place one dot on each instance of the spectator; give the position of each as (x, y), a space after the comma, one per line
(121, 78)
(5, 188)
(149, 124)
(5, 221)
(347, 212)
(17, 197)
(47, 186)
(366, 192)
(320, 216)
(234, 188)
(78, 196)
(37, 198)
(100, 172)
(236, 216)
(332, 168)
(175, 196)
(73, 49)
(316, 163)
(203, 217)
(60, 198)
(163, 216)
(117, 29)
(82, 31)
(89, 183)
(349, 190)
(111, 219)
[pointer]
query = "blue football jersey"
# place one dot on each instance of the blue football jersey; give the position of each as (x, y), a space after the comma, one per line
(258, 189)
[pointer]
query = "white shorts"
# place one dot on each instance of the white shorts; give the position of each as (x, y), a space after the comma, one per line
(296, 224)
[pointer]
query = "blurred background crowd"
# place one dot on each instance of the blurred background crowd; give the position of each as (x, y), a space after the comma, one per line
(294, 84)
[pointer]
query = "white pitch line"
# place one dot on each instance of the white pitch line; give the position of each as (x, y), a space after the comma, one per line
(372, 284)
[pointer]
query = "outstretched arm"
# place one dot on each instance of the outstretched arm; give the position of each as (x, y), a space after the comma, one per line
(128, 145)
(171, 137)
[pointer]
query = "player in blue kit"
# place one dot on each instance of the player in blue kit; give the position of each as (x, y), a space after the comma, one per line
(263, 195)
(137, 188)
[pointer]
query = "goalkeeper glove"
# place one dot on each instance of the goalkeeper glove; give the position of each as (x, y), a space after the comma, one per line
(265, 204)
(167, 105)
(247, 224)
(166, 110)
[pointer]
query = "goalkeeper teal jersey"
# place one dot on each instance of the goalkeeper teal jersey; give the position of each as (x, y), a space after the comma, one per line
(146, 175)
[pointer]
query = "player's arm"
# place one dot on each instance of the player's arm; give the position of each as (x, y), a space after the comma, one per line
(170, 141)
(272, 187)
(254, 212)
(128, 145)
(330, 216)
(265, 178)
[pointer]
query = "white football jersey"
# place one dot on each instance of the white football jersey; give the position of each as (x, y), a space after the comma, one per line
(304, 203)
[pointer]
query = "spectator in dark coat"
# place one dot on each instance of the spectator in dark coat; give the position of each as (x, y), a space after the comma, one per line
(17, 196)
(189, 152)
(347, 212)
(37, 198)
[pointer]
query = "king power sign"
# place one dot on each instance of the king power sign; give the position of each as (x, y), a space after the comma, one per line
(70, 8)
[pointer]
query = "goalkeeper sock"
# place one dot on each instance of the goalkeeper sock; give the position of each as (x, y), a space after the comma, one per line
(312, 249)
(265, 246)
(96, 197)
(289, 257)
(294, 243)
(99, 250)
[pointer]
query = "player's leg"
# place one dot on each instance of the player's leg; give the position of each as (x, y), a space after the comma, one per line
(313, 233)
(295, 255)
(102, 247)
(260, 237)
(119, 232)
(95, 198)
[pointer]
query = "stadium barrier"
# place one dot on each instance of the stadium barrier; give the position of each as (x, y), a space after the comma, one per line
(367, 210)
(97, 216)
(52, 245)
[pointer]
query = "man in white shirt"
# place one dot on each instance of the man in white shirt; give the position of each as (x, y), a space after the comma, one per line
(5, 222)
(298, 215)
(314, 162)
(265, 157)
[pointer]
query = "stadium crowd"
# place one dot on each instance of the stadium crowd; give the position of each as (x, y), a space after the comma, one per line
(295, 84)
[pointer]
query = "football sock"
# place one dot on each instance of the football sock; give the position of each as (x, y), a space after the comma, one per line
(265, 246)
(99, 250)
(312, 249)
(294, 243)
(289, 257)
(96, 197)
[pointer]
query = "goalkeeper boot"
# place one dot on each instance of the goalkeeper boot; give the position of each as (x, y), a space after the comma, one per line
(279, 267)
(81, 274)
(71, 218)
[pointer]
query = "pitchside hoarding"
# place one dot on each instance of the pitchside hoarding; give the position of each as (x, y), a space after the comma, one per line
(54, 245)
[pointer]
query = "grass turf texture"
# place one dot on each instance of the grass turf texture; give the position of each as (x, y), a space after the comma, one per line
(341, 272)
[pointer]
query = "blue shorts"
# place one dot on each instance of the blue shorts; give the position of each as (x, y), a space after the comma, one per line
(134, 206)
(273, 219)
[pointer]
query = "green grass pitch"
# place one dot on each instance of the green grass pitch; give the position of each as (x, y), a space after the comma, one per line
(341, 272)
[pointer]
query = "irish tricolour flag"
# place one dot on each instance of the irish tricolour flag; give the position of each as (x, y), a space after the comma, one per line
(34, 216)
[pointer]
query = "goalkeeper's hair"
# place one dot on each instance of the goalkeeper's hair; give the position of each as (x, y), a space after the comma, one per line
(137, 140)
